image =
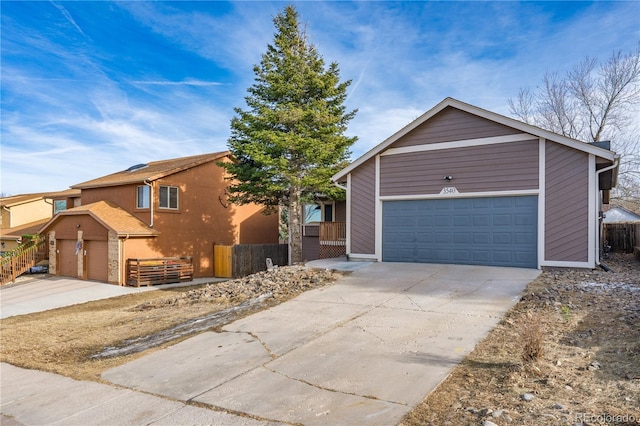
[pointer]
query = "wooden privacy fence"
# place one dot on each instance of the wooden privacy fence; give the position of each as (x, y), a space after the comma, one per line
(622, 237)
(164, 270)
(22, 258)
(241, 260)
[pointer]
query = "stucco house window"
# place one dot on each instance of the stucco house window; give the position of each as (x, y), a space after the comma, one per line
(143, 199)
(169, 197)
(59, 205)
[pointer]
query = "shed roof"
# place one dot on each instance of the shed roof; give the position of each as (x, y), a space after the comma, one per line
(151, 171)
(111, 216)
(619, 214)
(492, 116)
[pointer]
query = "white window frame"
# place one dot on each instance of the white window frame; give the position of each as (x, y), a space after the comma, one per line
(167, 190)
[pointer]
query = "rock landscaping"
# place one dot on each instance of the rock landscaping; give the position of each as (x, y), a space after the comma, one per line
(278, 282)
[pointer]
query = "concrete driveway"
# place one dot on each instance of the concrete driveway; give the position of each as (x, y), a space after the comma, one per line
(42, 293)
(363, 351)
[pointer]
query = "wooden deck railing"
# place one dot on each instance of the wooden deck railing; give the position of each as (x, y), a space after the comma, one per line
(333, 239)
(333, 233)
(164, 270)
(19, 260)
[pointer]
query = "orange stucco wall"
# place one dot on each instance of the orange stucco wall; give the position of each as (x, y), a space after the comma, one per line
(203, 218)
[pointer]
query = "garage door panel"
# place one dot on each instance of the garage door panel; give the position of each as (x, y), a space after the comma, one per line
(502, 238)
(481, 220)
(462, 238)
(499, 231)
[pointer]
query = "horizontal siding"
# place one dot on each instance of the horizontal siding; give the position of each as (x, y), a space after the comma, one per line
(567, 204)
(499, 167)
(363, 209)
(451, 124)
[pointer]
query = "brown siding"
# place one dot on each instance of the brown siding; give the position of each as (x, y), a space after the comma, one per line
(341, 211)
(498, 167)
(451, 124)
(566, 204)
(363, 209)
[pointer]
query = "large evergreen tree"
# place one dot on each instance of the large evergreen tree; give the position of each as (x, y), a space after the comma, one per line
(290, 140)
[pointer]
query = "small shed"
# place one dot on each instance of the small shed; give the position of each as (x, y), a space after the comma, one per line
(619, 214)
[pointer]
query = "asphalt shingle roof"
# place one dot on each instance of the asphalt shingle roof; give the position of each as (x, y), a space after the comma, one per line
(112, 216)
(151, 171)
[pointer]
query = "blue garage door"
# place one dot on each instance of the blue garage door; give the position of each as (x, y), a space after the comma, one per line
(498, 231)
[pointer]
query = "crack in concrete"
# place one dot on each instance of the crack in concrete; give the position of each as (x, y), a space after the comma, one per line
(317, 386)
(263, 343)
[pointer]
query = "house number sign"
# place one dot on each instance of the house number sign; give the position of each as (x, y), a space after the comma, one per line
(449, 190)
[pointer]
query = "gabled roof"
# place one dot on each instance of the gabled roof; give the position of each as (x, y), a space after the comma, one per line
(17, 232)
(111, 216)
(492, 116)
(151, 171)
(16, 200)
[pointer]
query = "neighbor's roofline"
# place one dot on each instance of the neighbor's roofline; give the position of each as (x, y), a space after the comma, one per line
(159, 175)
(498, 118)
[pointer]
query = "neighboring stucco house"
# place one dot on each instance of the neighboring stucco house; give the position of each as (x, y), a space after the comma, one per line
(170, 208)
(464, 185)
(22, 215)
(19, 210)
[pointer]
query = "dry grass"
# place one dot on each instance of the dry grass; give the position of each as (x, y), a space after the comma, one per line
(530, 326)
(62, 340)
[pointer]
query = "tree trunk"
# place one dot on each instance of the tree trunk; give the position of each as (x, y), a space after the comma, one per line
(295, 226)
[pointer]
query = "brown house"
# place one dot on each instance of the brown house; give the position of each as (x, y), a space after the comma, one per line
(464, 185)
(170, 208)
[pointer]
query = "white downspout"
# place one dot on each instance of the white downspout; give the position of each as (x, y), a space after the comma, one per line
(598, 224)
(150, 200)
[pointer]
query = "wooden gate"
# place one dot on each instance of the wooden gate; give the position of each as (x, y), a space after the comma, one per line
(222, 261)
(241, 260)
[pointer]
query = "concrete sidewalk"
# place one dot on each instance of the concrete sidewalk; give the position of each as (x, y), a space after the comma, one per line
(363, 351)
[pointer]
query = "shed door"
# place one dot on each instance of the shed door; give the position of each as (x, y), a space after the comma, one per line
(496, 231)
(66, 258)
(97, 260)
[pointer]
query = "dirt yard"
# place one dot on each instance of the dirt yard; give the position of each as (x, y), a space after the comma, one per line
(70, 341)
(589, 369)
(587, 326)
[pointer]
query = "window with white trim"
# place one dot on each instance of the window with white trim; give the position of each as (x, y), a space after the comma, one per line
(143, 199)
(168, 197)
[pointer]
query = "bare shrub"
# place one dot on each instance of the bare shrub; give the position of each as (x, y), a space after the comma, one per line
(531, 330)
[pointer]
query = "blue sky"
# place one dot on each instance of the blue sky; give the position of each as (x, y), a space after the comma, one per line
(92, 87)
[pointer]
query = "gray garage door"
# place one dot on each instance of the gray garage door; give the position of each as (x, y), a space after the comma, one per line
(498, 231)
